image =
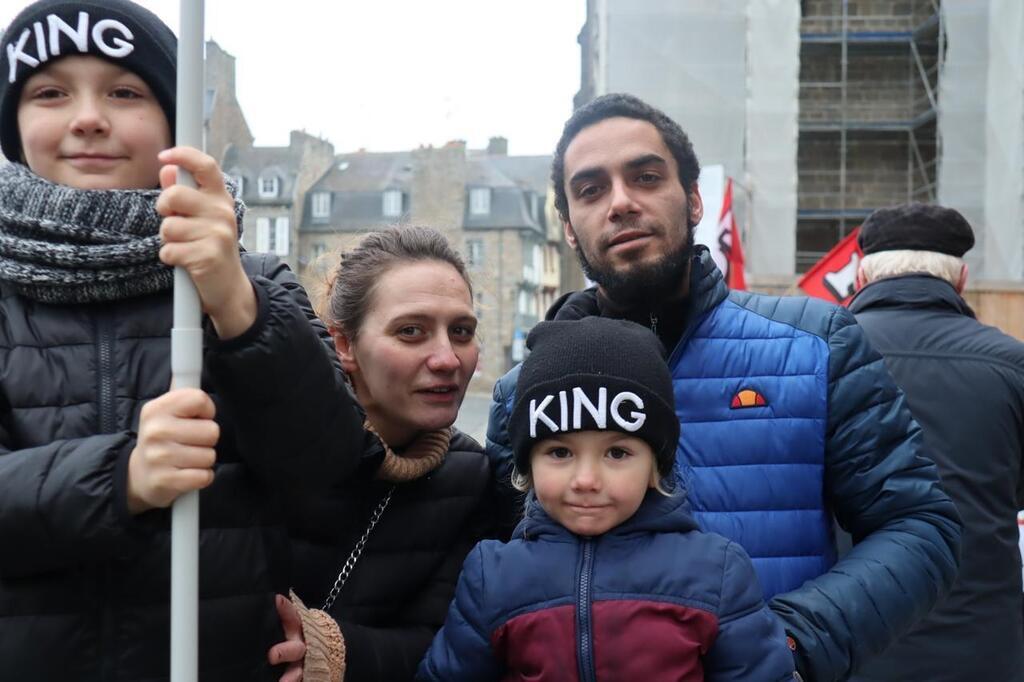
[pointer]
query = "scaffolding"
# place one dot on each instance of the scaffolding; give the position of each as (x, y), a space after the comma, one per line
(868, 102)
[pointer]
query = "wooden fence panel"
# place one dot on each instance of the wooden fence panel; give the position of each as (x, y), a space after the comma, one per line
(1000, 304)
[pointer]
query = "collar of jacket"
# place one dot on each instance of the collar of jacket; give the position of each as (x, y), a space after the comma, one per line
(658, 513)
(910, 291)
(707, 290)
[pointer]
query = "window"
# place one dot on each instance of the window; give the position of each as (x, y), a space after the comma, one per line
(263, 235)
(474, 252)
(281, 236)
(392, 207)
(268, 187)
(533, 262)
(273, 238)
(526, 303)
(319, 248)
(523, 303)
(321, 204)
(480, 201)
(240, 181)
(479, 306)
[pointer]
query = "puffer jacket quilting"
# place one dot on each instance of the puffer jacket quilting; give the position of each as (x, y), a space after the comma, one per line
(84, 586)
(653, 598)
(834, 440)
(397, 595)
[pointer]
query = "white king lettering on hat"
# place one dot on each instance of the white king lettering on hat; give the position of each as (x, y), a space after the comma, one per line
(115, 45)
(599, 413)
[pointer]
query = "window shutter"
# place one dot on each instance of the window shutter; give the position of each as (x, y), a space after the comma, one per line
(281, 238)
(263, 234)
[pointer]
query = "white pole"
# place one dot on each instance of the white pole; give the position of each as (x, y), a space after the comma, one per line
(187, 361)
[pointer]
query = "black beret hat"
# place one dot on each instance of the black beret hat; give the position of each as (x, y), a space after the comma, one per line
(916, 227)
(116, 30)
(594, 374)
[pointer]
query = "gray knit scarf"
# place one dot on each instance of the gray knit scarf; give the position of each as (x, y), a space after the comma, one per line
(59, 244)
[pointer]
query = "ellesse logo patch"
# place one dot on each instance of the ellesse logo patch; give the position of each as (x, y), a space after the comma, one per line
(748, 397)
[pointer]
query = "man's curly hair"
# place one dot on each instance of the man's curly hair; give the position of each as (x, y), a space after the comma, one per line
(627, 106)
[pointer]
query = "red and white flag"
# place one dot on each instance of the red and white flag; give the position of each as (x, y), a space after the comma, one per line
(730, 244)
(832, 278)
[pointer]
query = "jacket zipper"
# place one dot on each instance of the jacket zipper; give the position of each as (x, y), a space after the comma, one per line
(105, 369)
(584, 634)
(654, 324)
(105, 380)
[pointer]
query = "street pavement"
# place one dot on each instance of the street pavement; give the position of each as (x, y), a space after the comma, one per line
(473, 415)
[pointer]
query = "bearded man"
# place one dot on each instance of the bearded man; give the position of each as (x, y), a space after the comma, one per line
(790, 422)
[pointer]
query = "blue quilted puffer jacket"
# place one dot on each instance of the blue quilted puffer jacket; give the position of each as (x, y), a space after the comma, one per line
(790, 421)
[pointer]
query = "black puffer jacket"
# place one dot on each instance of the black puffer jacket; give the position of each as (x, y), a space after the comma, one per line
(84, 586)
(965, 385)
(397, 597)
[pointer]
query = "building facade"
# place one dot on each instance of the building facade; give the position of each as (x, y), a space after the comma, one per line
(868, 113)
(307, 204)
(275, 182)
(492, 208)
(224, 123)
(825, 110)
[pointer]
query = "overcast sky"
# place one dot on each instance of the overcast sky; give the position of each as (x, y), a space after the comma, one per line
(387, 75)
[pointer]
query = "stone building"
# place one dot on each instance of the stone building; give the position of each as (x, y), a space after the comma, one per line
(224, 123)
(306, 204)
(274, 180)
(274, 183)
(511, 248)
(491, 206)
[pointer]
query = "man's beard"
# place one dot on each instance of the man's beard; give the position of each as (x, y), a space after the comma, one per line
(646, 283)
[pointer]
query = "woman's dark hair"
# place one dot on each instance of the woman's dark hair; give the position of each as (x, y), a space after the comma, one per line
(626, 106)
(350, 287)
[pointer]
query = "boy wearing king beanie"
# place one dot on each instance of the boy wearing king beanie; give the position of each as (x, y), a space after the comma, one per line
(607, 577)
(93, 446)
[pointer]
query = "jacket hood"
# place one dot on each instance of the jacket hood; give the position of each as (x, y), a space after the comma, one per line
(658, 513)
(910, 291)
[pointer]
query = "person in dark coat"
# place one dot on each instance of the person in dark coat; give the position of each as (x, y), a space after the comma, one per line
(376, 560)
(94, 448)
(965, 385)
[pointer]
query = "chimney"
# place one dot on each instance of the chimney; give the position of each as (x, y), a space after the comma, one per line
(497, 146)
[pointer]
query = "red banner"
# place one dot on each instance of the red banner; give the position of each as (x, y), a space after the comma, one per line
(832, 278)
(729, 242)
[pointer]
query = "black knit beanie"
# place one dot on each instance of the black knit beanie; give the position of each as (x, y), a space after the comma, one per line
(116, 30)
(594, 374)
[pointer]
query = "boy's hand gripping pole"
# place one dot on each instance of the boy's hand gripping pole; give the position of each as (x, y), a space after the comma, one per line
(187, 361)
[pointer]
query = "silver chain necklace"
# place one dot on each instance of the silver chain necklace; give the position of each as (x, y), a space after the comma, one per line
(350, 563)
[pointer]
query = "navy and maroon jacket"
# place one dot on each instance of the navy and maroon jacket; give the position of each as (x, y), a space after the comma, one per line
(653, 598)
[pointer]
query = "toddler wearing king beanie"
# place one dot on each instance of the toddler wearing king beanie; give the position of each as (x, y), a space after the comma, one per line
(94, 447)
(607, 577)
